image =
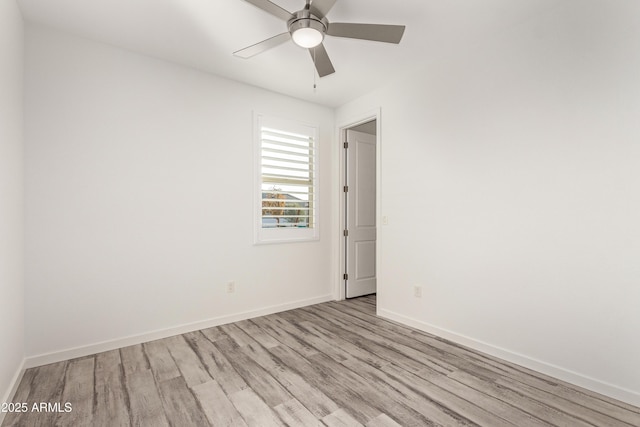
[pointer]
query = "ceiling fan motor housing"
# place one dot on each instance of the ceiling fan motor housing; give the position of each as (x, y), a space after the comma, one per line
(304, 21)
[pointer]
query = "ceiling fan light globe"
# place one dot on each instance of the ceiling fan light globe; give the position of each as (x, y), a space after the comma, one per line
(307, 37)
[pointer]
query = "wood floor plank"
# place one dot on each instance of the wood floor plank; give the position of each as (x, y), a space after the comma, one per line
(253, 409)
(383, 421)
(363, 307)
(369, 342)
(257, 334)
(108, 361)
(389, 330)
(447, 399)
(78, 390)
(382, 396)
(531, 406)
(435, 412)
(260, 380)
(214, 334)
(293, 413)
(277, 329)
(216, 405)
(295, 316)
(312, 339)
(134, 359)
(329, 383)
(486, 401)
(216, 363)
(344, 348)
(574, 394)
(179, 404)
(112, 401)
(578, 411)
(144, 399)
(160, 360)
(188, 362)
(48, 384)
(239, 336)
(412, 349)
(318, 403)
(492, 369)
(341, 418)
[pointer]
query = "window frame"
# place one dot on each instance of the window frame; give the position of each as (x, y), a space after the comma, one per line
(285, 234)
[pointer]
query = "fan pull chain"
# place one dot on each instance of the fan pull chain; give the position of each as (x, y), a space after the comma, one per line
(314, 70)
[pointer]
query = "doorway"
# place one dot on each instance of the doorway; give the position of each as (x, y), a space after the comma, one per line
(360, 189)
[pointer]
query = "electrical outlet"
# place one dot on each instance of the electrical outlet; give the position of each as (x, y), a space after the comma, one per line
(231, 287)
(417, 291)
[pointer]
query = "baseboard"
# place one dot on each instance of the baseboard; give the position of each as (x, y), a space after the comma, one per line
(13, 387)
(72, 353)
(629, 396)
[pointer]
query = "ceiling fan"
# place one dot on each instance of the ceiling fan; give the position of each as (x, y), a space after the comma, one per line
(308, 27)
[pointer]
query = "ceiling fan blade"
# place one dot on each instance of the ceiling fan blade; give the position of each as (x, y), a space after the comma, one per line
(272, 8)
(321, 60)
(260, 47)
(320, 8)
(374, 32)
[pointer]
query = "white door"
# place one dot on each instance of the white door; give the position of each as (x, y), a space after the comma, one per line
(360, 193)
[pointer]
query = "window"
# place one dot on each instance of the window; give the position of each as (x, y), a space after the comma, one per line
(287, 190)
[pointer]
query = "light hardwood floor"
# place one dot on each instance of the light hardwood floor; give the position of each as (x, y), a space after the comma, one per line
(333, 364)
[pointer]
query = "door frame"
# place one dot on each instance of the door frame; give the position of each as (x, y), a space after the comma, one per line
(339, 247)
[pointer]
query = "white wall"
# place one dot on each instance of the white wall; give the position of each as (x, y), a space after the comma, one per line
(11, 197)
(139, 199)
(511, 180)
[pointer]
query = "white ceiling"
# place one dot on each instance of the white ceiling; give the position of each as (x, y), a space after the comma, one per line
(203, 34)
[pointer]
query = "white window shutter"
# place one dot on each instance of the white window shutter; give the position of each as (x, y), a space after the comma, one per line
(287, 157)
